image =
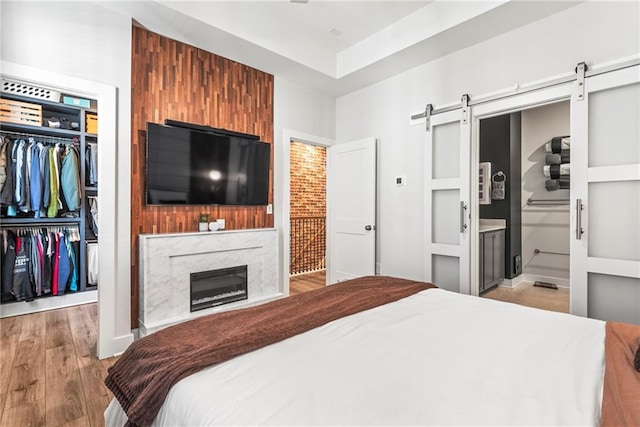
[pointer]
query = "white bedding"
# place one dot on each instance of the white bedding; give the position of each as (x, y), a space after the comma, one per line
(436, 357)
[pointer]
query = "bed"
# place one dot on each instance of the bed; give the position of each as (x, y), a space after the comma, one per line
(380, 351)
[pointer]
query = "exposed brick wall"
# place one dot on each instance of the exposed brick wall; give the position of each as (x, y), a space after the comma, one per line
(308, 180)
(308, 199)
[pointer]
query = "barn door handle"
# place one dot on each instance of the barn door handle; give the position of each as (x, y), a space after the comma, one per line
(579, 209)
(463, 208)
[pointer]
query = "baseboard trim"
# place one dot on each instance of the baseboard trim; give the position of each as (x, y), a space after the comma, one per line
(514, 282)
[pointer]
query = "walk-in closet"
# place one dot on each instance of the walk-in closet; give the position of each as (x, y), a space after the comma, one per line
(524, 185)
(49, 189)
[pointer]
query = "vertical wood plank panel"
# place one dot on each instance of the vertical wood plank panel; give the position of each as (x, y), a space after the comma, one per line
(172, 80)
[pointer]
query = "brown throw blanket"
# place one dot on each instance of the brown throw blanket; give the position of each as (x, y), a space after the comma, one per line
(621, 391)
(143, 375)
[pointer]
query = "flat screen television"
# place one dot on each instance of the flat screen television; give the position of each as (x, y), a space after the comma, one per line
(187, 166)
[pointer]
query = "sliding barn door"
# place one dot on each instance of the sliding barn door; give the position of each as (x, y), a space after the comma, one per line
(605, 196)
(447, 194)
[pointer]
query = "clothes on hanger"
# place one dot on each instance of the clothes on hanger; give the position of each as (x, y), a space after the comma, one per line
(39, 261)
(91, 156)
(40, 177)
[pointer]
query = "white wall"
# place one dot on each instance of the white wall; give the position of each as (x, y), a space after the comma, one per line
(594, 32)
(305, 115)
(84, 41)
(543, 227)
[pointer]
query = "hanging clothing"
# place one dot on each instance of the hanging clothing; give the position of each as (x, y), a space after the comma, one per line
(73, 279)
(46, 182)
(35, 179)
(49, 256)
(92, 263)
(92, 215)
(8, 262)
(6, 194)
(70, 179)
(91, 156)
(3, 163)
(64, 264)
(34, 174)
(52, 212)
(22, 285)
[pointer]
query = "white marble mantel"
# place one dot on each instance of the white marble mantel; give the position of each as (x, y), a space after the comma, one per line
(167, 260)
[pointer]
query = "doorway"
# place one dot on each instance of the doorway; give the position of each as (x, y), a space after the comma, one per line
(308, 213)
(524, 215)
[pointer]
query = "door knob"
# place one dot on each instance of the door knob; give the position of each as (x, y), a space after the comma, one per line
(367, 227)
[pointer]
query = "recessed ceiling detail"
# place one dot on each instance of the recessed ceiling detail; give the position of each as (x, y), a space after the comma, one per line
(335, 46)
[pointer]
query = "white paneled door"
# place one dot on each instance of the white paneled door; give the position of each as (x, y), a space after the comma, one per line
(605, 196)
(447, 201)
(351, 208)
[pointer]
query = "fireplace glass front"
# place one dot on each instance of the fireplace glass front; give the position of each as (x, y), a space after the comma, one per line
(216, 287)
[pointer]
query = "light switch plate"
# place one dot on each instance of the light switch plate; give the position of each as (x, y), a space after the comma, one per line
(269, 209)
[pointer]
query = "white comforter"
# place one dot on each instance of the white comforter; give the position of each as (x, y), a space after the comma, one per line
(436, 357)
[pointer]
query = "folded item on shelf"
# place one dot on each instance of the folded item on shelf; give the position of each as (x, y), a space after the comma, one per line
(558, 158)
(557, 144)
(556, 171)
(562, 183)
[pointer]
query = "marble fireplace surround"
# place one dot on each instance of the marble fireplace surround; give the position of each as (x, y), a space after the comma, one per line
(167, 260)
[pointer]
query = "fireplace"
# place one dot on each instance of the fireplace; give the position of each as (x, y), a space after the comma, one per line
(216, 287)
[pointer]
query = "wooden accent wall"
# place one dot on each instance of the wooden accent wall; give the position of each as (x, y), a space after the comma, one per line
(172, 80)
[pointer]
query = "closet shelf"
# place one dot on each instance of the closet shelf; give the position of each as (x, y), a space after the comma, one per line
(36, 221)
(40, 130)
(49, 105)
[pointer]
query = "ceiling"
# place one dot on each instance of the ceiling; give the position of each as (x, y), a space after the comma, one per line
(335, 46)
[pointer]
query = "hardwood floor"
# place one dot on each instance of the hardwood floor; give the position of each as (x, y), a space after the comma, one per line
(533, 296)
(49, 373)
(307, 282)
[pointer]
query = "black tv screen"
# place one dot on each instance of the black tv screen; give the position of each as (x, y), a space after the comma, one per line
(193, 167)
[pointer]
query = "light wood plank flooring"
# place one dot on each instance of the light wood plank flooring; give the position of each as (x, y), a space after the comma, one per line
(49, 373)
(533, 296)
(307, 282)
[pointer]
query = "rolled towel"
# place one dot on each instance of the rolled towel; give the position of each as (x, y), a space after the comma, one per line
(556, 159)
(562, 183)
(556, 171)
(557, 144)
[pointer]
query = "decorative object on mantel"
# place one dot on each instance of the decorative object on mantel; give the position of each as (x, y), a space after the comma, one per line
(214, 226)
(203, 222)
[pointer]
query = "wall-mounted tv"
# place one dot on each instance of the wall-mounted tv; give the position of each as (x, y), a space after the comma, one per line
(196, 166)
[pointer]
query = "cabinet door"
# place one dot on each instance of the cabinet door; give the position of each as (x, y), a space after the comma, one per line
(498, 256)
(488, 260)
(481, 261)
